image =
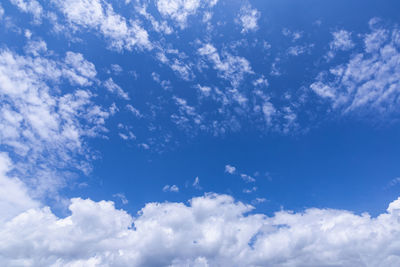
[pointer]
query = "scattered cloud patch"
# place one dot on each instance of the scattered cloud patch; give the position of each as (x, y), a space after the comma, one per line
(180, 10)
(369, 81)
(114, 88)
(99, 16)
(248, 18)
(171, 188)
(39, 121)
(230, 169)
(229, 67)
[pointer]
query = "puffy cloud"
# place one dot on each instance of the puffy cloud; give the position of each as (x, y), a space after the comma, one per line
(100, 16)
(212, 230)
(248, 18)
(370, 80)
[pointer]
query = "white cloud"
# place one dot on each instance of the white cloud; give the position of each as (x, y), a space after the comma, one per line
(171, 188)
(247, 178)
(394, 182)
(196, 183)
(229, 67)
(100, 16)
(30, 6)
(230, 169)
(248, 18)
(81, 72)
(342, 40)
(117, 69)
(114, 88)
(212, 230)
(36, 48)
(250, 190)
(299, 49)
(134, 111)
(14, 197)
(1, 11)
(180, 10)
(294, 35)
(122, 197)
(187, 117)
(37, 120)
(370, 80)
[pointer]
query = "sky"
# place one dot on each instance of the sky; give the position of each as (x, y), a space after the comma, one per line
(199, 133)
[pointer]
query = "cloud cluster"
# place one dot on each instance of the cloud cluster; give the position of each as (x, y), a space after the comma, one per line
(99, 16)
(30, 6)
(180, 10)
(38, 120)
(213, 230)
(230, 67)
(248, 18)
(370, 80)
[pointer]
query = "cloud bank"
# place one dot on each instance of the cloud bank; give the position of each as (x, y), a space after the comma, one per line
(211, 230)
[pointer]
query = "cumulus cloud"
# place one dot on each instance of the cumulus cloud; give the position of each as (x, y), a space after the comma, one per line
(212, 230)
(370, 80)
(100, 16)
(248, 18)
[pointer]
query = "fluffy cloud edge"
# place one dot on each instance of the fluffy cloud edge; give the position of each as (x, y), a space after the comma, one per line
(210, 230)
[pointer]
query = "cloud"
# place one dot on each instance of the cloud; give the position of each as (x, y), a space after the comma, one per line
(248, 18)
(122, 197)
(100, 16)
(196, 183)
(180, 10)
(114, 88)
(370, 80)
(299, 49)
(30, 6)
(14, 196)
(212, 230)
(247, 178)
(36, 119)
(229, 67)
(394, 182)
(230, 169)
(171, 188)
(1, 11)
(342, 40)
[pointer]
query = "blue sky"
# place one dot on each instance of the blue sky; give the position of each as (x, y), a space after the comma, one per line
(139, 120)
